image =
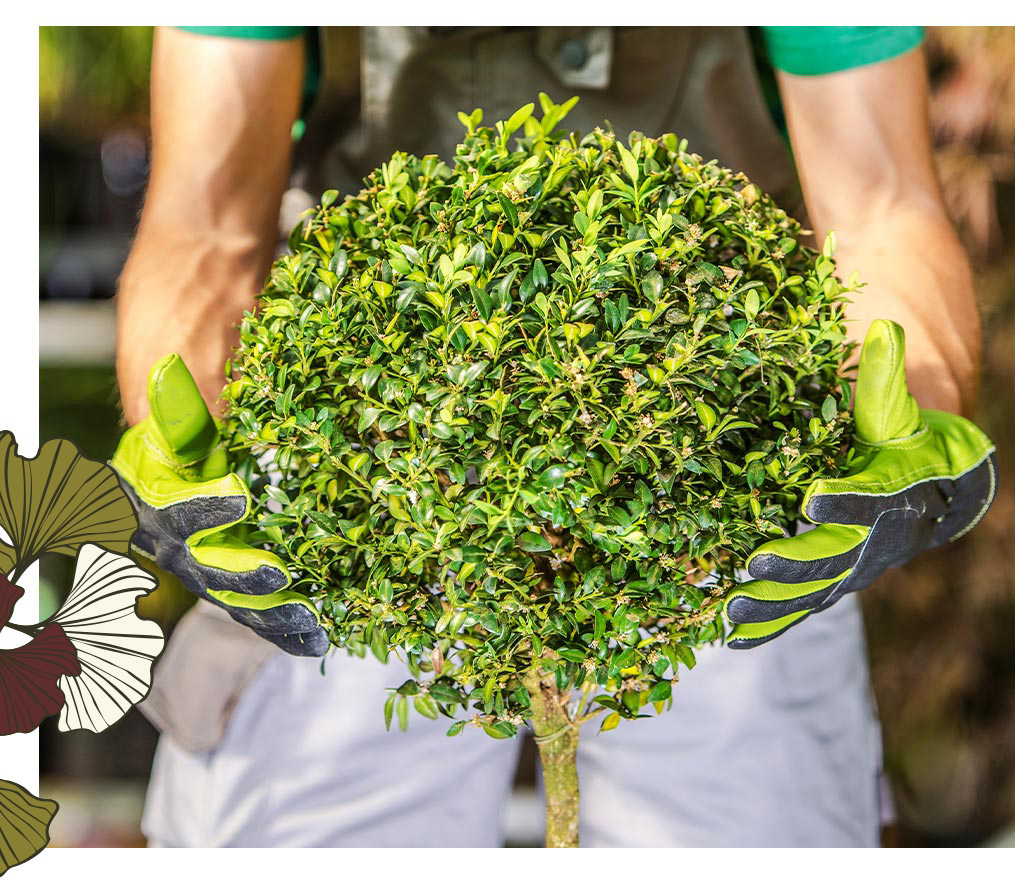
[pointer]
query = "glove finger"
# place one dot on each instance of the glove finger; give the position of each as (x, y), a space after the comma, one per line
(757, 602)
(884, 409)
(825, 552)
(203, 515)
(165, 503)
(312, 644)
(180, 417)
(859, 501)
(216, 560)
(226, 562)
(747, 636)
(284, 611)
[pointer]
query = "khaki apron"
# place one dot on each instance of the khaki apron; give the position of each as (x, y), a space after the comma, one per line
(410, 82)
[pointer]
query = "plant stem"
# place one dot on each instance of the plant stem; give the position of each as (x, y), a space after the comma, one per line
(557, 741)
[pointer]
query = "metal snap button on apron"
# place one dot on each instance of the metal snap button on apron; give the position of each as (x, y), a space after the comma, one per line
(580, 57)
(700, 83)
(573, 54)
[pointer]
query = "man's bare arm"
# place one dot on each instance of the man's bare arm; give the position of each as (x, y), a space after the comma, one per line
(863, 149)
(222, 113)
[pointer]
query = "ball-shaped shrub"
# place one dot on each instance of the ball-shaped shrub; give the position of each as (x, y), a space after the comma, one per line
(504, 417)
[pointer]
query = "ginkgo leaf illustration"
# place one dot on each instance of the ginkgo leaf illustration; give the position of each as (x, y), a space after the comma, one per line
(56, 502)
(24, 824)
(115, 648)
(29, 673)
(9, 596)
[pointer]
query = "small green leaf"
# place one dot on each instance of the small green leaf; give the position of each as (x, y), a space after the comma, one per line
(368, 418)
(611, 721)
(755, 475)
(706, 272)
(828, 249)
(497, 731)
(706, 414)
(660, 691)
(477, 256)
(517, 119)
(629, 162)
(510, 212)
(553, 477)
(652, 285)
(533, 543)
(829, 408)
(686, 656)
(539, 275)
(425, 705)
(483, 304)
(751, 305)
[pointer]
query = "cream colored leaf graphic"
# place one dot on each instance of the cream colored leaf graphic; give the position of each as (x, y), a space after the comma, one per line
(56, 502)
(115, 648)
(24, 824)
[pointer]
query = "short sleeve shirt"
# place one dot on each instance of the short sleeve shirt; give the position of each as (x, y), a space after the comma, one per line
(805, 51)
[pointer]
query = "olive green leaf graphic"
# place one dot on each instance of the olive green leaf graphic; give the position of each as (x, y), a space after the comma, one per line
(92, 660)
(56, 502)
(24, 824)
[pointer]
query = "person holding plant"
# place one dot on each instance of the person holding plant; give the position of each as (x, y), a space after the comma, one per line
(258, 748)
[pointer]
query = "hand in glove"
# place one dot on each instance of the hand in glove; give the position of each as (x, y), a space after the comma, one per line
(925, 477)
(174, 469)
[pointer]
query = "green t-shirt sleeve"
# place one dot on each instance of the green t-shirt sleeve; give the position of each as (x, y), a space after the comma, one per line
(277, 32)
(312, 71)
(810, 51)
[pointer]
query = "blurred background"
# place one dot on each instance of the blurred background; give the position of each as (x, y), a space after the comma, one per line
(941, 631)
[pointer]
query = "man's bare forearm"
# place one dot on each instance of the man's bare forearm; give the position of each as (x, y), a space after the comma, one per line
(182, 291)
(222, 111)
(916, 273)
(863, 149)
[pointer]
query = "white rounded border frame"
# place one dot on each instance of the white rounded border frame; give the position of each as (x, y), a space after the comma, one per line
(19, 409)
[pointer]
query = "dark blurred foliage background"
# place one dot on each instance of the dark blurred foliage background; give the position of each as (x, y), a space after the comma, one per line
(941, 631)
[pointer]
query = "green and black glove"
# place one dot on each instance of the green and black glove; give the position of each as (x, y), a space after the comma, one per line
(925, 478)
(173, 467)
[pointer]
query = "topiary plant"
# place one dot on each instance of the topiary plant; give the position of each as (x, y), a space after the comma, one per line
(528, 415)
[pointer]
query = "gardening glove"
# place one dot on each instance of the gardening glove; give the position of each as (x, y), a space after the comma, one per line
(925, 477)
(174, 469)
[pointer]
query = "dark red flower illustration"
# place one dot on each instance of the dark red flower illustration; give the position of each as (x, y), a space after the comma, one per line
(29, 673)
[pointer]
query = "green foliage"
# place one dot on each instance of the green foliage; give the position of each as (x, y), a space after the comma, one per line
(93, 78)
(519, 408)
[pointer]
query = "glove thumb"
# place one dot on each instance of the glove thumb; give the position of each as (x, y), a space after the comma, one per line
(884, 408)
(182, 425)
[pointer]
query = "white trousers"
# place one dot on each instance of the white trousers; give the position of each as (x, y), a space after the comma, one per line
(773, 746)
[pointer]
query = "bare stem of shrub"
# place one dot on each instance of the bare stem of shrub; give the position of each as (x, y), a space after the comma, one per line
(557, 741)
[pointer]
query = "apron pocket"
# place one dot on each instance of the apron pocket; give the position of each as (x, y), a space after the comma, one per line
(208, 663)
